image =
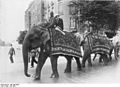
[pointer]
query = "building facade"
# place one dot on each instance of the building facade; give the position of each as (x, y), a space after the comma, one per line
(39, 11)
(34, 14)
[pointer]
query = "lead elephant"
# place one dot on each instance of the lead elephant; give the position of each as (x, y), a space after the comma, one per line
(38, 36)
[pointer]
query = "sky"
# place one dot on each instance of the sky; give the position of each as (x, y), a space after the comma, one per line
(12, 18)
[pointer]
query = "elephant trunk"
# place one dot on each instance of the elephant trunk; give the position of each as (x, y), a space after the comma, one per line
(25, 50)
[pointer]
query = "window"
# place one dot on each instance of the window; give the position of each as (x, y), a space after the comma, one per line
(72, 22)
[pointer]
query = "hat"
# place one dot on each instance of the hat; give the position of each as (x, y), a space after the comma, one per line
(57, 15)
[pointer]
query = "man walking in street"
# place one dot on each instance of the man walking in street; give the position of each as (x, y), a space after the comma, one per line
(11, 53)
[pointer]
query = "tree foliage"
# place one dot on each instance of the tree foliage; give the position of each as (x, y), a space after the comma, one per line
(100, 13)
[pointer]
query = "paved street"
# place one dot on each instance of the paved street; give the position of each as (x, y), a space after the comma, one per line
(13, 73)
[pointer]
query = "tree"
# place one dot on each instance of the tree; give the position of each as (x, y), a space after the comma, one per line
(101, 14)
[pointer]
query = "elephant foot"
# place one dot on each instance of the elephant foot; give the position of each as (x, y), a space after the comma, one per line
(106, 62)
(79, 69)
(117, 55)
(100, 60)
(110, 58)
(83, 65)
(90, 64)
(37, 77)
(54, 76)
(116, 58)
(67, 71)
(28, 75)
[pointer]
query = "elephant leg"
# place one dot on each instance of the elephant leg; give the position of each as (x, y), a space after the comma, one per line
(110, 57)
(78, 63)
(94, 57)
(85, 57)
(110, 54)
(89, 61)
(116, 52)
(53, 59)
(41, 60)
(100, 59)
(105, 59)
(68, 66)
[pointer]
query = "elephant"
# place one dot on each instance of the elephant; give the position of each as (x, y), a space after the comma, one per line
(105, 56)
(38, 36)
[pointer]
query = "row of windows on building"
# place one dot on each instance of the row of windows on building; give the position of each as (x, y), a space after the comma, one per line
(43, 13)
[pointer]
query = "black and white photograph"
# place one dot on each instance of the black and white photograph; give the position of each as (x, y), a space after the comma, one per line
(59, 42)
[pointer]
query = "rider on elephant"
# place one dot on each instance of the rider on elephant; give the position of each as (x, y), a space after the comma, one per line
(56, 22)
(59, 22)
(51, 20)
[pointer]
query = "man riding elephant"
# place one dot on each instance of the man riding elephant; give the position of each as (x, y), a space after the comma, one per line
(56, 22)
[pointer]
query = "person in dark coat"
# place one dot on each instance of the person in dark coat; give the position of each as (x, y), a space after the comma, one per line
(56, 22)
(11, 53)
(51, 17)
(52, 21)
(33, 56)
(59, 22)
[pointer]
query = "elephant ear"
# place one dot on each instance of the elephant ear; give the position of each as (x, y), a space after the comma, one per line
(34, 33)
(21, 36)
(40, 33)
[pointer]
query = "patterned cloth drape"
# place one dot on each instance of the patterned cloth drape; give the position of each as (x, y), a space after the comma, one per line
(66, 44)
(99, 43)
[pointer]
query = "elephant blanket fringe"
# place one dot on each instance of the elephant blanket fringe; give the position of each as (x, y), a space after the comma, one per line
(99, 43)
(66, 44)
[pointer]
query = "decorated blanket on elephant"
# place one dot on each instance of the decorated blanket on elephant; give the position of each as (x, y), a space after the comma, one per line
(66, 44)
(99, 43)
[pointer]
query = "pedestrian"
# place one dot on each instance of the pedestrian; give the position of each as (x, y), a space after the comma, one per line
(33, 56)
(11, 53)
